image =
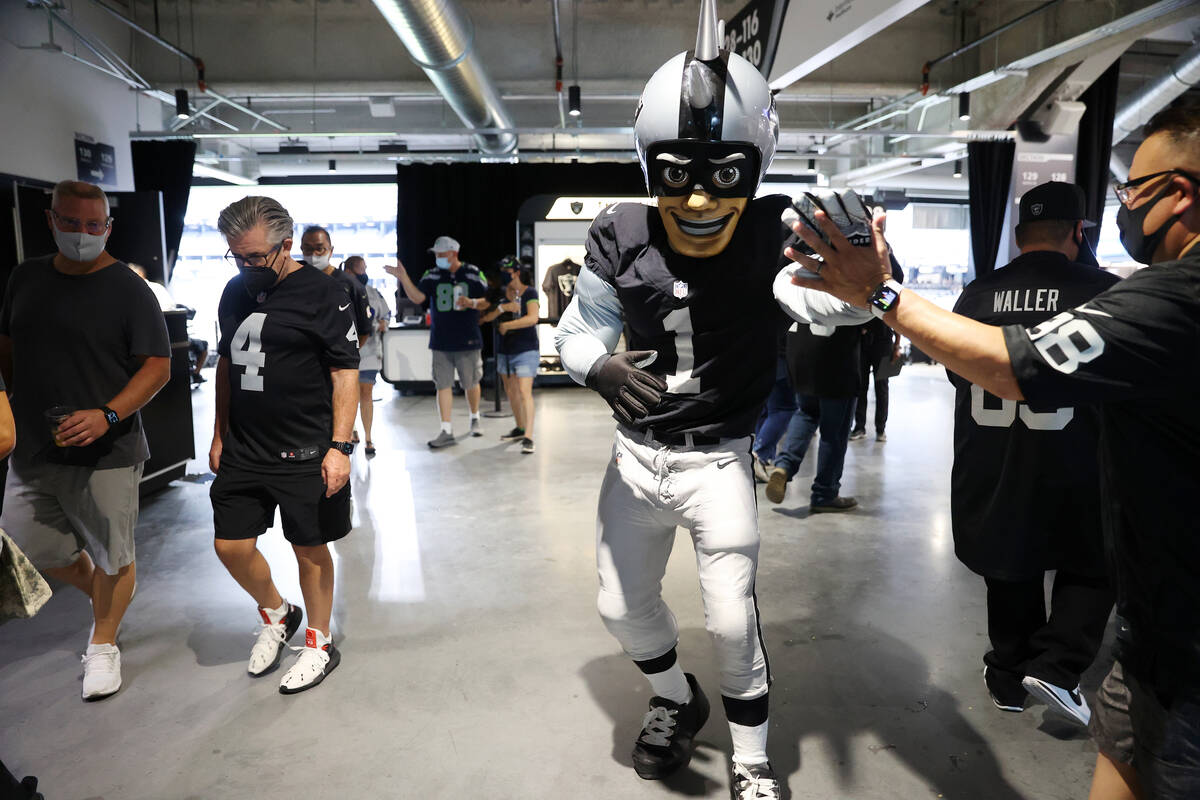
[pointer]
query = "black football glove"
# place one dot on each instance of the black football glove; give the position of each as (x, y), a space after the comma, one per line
(845, 209)
(630, 390)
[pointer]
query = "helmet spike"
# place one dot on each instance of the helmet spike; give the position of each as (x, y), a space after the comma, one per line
(708, 41)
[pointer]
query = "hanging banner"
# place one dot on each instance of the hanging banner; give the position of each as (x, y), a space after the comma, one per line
(753, 32)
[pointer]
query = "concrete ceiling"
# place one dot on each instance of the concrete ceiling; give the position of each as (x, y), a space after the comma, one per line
(328, 68)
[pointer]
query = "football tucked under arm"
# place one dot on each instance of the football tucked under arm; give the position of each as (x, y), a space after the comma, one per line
(590, 327)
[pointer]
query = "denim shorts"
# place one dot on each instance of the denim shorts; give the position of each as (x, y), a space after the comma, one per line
(1131, 726)
(523, 365)
(367, 375)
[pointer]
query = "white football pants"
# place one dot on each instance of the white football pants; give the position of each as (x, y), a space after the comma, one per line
(649, 489)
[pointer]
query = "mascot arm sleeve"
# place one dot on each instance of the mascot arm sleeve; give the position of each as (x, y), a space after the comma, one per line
(814, 306)
(590, 327)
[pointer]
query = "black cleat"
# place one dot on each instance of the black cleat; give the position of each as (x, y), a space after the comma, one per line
(665, 743)
(753, 782)
(1006, 691)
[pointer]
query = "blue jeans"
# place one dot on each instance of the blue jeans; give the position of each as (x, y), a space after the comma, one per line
(781, 405)
(833, 418)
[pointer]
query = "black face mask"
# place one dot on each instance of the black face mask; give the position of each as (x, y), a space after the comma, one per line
(362, 278)
(1140, 245)
(505, 277)
(258, 279)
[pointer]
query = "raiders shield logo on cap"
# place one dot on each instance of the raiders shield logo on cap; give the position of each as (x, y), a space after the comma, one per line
(1036, 209)
(681, 289)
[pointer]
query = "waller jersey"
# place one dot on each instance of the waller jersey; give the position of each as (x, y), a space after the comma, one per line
(1135, 350)
(1025, 488)
(713, 321)
(280, 347)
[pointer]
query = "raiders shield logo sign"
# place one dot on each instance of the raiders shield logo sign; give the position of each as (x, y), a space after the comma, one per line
(680, 289)
(576, 206)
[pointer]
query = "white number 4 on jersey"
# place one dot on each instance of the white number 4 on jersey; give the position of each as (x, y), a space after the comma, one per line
(245, 350)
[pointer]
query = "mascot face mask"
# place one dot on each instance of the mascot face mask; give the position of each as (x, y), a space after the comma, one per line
(705, 131)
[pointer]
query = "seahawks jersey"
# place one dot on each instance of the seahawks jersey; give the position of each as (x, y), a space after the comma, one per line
(1135, 349)
(280, 347)
(714, 322)
(1025, 489)
(453, 328)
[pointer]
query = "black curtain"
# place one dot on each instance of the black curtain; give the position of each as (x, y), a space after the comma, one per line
(989, 170)
(1095, 145)
(166, 167)
(477, 204)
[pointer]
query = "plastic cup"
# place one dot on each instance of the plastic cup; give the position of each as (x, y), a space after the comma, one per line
(54, 417)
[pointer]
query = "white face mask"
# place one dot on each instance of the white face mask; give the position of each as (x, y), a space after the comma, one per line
(442, 262)
(320, 262)
(80, 246)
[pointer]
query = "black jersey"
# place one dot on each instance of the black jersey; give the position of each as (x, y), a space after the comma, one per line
(1135, 349)
(713, 321)
(1025, 488)
(280, 352)
(360, 304)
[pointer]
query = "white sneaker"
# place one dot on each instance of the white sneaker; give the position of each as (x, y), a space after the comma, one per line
(272, 638)
(754, 782)
(476, 427)
(101, 671)
(1068, 702)
(311, 667)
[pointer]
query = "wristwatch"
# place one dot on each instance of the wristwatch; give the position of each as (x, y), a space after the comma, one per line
(110, 415)
(884, 298)
(345, 448)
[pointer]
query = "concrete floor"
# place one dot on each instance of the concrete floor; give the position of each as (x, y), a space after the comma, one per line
(474, 664)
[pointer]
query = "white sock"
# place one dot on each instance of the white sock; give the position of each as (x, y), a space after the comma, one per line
(749, 743)
(276, 615)
(447, 428)
(672, 684)
(474, 416)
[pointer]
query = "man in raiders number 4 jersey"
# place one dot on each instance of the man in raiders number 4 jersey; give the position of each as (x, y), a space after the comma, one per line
(286, 391)
(693, 280)
(1025, 488)
(1133, 351)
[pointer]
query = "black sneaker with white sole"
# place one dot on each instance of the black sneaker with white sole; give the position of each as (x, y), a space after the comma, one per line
(1006, 691)
(515, 435)
(1067, 702)
(668, 729)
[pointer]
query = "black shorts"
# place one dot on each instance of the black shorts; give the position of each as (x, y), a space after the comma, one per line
(244, 504)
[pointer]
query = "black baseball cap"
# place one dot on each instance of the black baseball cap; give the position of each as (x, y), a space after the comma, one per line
(1054, 200)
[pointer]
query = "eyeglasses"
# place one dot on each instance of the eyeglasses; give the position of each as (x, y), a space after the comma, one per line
(74, 224)
(1124, 191)
(315, 250)
(252, 259)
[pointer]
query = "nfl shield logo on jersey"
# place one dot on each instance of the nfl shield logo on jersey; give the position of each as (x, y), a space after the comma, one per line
(681, 289)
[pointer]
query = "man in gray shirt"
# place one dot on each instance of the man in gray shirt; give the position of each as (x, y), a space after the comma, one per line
(83, 347)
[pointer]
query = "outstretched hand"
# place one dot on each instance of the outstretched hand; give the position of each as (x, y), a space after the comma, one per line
(847, 272)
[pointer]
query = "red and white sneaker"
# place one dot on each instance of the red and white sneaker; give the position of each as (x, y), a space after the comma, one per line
(317, 659)
(273, 636)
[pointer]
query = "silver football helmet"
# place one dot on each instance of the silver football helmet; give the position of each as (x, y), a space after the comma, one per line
(704, 97)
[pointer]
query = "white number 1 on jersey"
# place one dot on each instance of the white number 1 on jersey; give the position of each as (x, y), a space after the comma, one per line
(679, 322)
(245, 350)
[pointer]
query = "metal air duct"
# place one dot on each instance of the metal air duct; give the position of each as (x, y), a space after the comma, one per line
(1137, 110)
(439, 36)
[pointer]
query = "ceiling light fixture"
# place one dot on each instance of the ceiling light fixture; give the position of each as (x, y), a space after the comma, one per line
(958, 168)
(182, 108)
(964, 106)
(574, 101)
(333, 165)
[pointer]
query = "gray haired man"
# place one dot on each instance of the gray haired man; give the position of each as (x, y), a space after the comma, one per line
(286, 400)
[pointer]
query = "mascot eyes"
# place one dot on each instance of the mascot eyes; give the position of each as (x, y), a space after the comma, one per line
(727, 177)
(675, 177)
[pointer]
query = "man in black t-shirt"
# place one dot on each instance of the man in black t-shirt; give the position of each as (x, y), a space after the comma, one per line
(83, 346)
(1133, 350)
(1025, 489)
(286, 390)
